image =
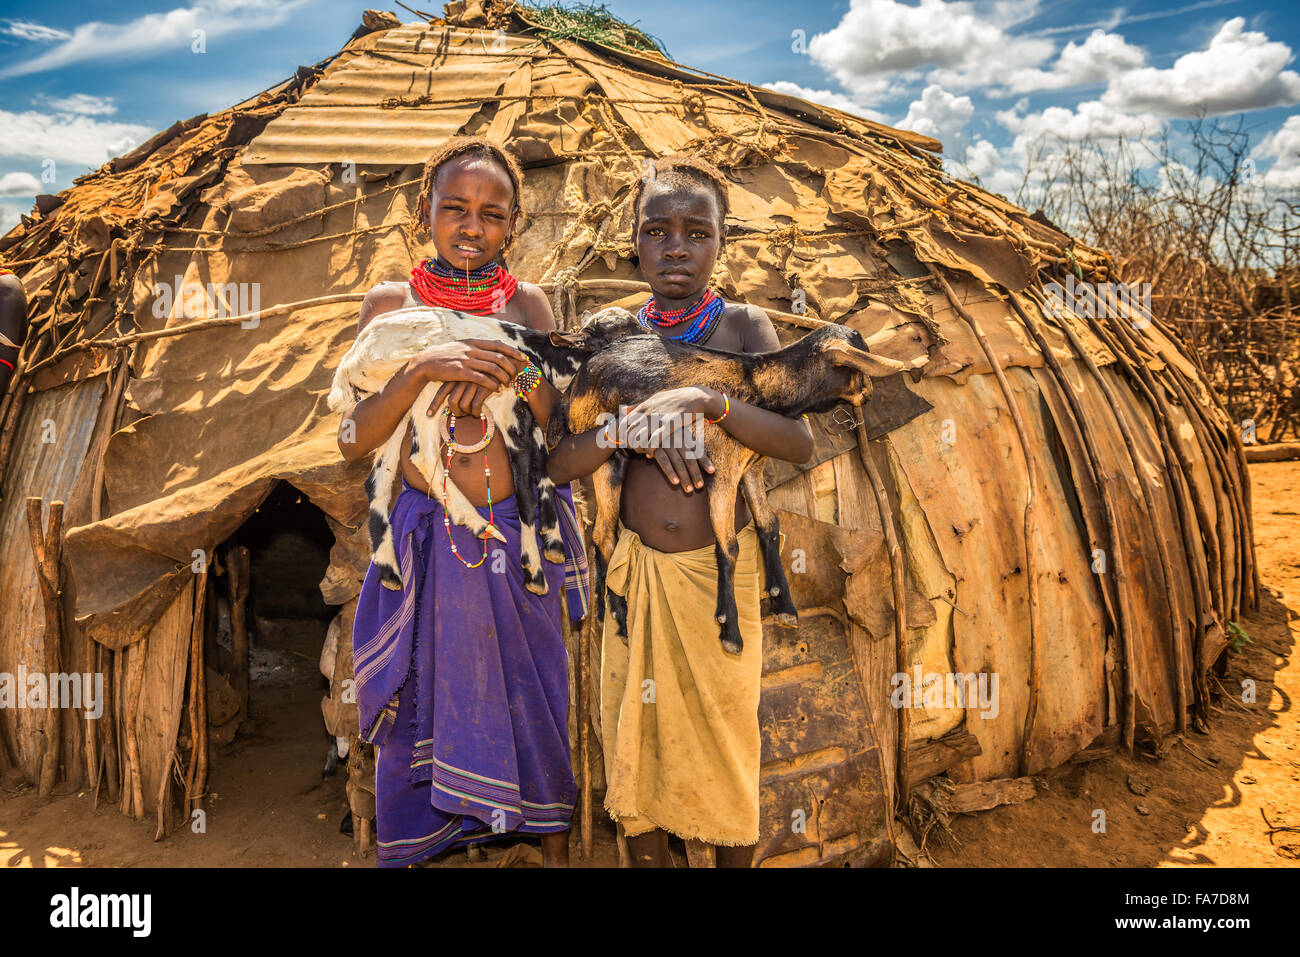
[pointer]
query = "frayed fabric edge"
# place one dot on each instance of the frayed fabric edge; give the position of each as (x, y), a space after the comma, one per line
(676, 832)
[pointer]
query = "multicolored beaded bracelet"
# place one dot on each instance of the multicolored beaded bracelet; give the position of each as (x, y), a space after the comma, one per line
(726, 408)
(527, 380)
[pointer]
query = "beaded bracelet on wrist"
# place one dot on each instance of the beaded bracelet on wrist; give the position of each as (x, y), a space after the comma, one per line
(527, 380)
(726, 408)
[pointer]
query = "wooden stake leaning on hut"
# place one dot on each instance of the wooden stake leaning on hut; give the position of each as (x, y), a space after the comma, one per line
(47, 549)
(897, 582)
(237, 580)
(198, 710)
(132, 786)
(108, 725)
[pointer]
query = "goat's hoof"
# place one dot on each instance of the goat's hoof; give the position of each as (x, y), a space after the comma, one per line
(536, 584)
(774, 591)
(786, 621)
(732, 647)
(720, 619)
(392, 584)
(554, 554)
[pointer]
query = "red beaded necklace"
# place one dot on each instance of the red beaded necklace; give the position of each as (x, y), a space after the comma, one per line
(481, 291)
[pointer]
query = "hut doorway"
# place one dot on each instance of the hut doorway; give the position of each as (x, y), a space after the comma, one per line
(266, 626)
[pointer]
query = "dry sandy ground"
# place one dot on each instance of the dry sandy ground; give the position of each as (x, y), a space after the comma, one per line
(270, 806)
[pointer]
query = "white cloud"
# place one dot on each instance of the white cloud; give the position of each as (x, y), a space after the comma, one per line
(81, 140)
(826, 98)
(19, 183)
(998, 171)
(26, 30)
(82, 104)
(1092, 119)
(1097, 59)
(1282, 146)
(1041, 140)
(940, 114)
(9, 218)
(1240, 70)
(881, 43)
(172, 30)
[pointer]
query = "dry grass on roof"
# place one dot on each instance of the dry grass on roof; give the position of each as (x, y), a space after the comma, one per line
(592, 23)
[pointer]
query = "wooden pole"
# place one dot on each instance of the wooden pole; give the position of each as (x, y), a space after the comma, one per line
(47, 548)
(108, 721)
(135, 685)
(92, 724)
(584, 733)
(164, 797)
(197, 708)
(237, 569)
(201, 745)
(897, 573)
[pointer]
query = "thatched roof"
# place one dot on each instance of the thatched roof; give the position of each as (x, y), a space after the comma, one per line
(1139, 524)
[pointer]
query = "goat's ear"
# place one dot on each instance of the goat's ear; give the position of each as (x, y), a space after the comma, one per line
(572, 340)
(843, 354)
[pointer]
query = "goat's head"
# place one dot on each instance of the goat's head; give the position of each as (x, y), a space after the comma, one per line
(599, 330)
(846, 366)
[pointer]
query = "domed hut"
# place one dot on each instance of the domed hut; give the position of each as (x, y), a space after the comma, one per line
(1033, 547)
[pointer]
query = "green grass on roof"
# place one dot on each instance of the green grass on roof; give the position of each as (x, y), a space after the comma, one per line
(590, 22)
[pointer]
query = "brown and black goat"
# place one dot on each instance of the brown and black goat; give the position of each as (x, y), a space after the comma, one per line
(814, 374)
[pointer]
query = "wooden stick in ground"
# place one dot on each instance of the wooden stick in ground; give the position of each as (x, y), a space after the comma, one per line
(47, 548)
(108, 721)
(96, 779)
(196, 664)
(1031, 482)
(122, 787)
(92, 724)
(124, 730)
(164, 798)
(584, 732)
(135, 686)
(897, 581)
(237, 583)
(201, 771)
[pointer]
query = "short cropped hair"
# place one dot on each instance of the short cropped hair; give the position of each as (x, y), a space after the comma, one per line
(680, 169)
(470, 146)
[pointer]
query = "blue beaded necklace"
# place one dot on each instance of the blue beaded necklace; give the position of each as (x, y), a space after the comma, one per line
(698, 320)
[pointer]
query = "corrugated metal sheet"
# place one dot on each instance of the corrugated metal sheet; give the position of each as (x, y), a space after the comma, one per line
(49, 452)
(432, 79)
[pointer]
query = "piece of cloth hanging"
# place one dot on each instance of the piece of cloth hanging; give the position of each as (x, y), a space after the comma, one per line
(679, 715)
(463, 683)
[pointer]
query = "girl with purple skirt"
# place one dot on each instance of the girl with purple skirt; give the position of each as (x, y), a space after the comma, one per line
(462, 676)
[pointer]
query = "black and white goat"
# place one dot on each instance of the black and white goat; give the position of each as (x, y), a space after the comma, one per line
(384, 346)
(824, 368)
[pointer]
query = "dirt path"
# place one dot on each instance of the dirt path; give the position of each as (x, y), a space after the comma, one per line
(270, 806)
(1201, 811)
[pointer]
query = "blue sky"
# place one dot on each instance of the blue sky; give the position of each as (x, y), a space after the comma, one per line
(79, 84)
